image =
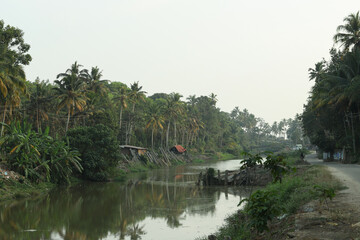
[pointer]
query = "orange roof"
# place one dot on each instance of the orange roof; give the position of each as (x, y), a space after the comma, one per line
(180, 148)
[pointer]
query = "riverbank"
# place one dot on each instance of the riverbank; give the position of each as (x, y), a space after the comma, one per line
(193, 158)
(14, 186)
(11, 189)
(162, 203)
(294, 200)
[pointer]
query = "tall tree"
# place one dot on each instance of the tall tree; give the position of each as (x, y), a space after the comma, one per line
(40, 99)
(94, 81)
(136, 94)
(70, 90)
(121, 98)
(174, 108)
(13, 56)
(155, 121)
(348, 34)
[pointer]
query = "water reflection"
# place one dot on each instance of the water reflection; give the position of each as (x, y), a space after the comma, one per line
(152, 206)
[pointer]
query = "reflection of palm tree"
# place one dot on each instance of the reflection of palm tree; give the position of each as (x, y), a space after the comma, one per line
(123, 229)
(68, 235)
(173, 221)
(135, 231)
(156, 200)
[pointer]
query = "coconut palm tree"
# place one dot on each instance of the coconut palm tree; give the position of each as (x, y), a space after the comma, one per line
(39, 101)
(155, 121)
(348, 35)
(12, 85)
(174, 109)
(122, 99)
(318, 72)
(135, 95)
(94, 81)
(70, 90)
(213, 98)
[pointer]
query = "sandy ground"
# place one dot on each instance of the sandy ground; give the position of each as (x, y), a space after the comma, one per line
(340, 220)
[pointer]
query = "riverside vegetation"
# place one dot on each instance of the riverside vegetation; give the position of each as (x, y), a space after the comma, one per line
(267, 212)
(55, 131)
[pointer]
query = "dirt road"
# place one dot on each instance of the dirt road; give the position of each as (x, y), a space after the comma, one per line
(341, 220)
(349, 174)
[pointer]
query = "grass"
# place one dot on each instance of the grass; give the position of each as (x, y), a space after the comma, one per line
(198, 160)
(225, 156)
(139, 167)
(295, 190)
(12, 189)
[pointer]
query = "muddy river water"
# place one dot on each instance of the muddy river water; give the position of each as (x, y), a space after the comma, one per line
(159, 204)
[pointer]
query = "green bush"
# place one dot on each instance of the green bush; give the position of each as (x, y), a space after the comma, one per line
(324, 193)
(277, 166)
(99, 149)
(262, 206)
(38, 156)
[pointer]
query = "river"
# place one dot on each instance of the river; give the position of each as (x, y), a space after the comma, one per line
(159, 204)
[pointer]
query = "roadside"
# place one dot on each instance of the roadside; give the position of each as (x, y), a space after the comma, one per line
(339, 218)
(305, 199)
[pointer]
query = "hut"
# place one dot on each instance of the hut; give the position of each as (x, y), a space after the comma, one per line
(128, 149)
(178, 149)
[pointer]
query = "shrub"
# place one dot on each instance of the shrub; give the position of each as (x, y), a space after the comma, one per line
(38, 156)
(324, 193)
(277, 166)
(262, 207)
(99, 150)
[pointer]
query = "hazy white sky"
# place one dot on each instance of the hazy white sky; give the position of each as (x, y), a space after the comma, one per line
(252, 54)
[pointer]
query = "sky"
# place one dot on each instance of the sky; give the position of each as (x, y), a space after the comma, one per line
(251, 54)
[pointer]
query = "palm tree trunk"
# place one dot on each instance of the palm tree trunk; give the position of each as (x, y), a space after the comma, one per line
(131, 124)
(167, 135)
(127, 133)
(121, 109)
(2, 127)
(183, 137)
(152, 138)
(68, 120)
(353, 132)
(37, 115)
(175, 132)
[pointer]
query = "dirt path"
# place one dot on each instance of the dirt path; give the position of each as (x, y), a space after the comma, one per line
(342, 219)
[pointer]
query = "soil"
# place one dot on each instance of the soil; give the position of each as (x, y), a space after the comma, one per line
(5, 173)
(338, 219)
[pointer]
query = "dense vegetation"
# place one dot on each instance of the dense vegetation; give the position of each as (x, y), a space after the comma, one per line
(331, 116)
(267, 204)
(270, 208)
(95, 116)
